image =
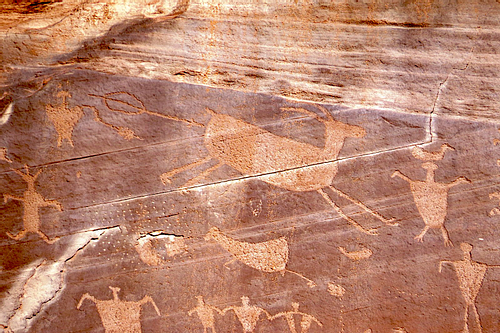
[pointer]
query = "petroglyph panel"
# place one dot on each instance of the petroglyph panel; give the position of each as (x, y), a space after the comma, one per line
(243, 212)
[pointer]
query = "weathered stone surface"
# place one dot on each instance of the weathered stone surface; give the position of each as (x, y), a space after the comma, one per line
(218, 166)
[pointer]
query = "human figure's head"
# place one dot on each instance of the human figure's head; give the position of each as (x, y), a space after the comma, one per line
(200, 299)
(115, 291)
(467, 249)
(245, 300)
(295, 306)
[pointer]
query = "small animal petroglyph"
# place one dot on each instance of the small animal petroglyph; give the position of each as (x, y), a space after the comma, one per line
(495, 211)
(285, 163)
(365, 253)
(119, 316)
(247, 314)
(32, 201)
(64, 118)
(268, 256)
(3, 155)
(431, 197)
(336, 290)
(470, 277)
(305, 322)
(206, 314)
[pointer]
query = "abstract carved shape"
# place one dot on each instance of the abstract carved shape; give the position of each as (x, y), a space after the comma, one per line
(247, 314)
(336, 290)
(431, 199)
(495, 211)
(64, 118)
(470, 277)
(206, 314)
(119, 316)
(427, 156)
(269, 256)
(305, 322)
(285, 163)
(32, 201)
(365, 253)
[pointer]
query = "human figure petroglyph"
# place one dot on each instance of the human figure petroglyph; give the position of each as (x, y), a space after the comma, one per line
(470, 275)
(32, 202)
(431, 197)
(119, 316)
(206, 314)
(247, 314)
(3, 155)
(64, 118)
(364, 253)
(305, 322)
(268, 256)
(495, 211)
(252, 150)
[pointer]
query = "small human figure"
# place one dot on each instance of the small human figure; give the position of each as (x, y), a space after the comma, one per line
(305, 322)
(64, 118)
(119, 316)
(431, 199)
(470, 275)
(248, 315)
(33, 201)
(206, 314)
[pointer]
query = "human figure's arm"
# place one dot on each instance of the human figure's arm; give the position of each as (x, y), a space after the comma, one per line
(53, 203)
(459, 180)
(84, 297)
(7, 197)
(441, 264)
(217, 310)
(398, 173)
(229, 308)
(148, 299)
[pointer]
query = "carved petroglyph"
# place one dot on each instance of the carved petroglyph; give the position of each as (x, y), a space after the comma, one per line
(286, 163)
(119, 316)
(470, 275)
(305, 322)
(128, 104)
(206, 314)
(431, 197)
(174, 245)
(364, 253)
(496, 142)
(147, 253)
(64, 118)
(495, 211)
(3, 155)
(336, 290)
(247, 314)
(423, 155)
(32, 201)
(268, 256)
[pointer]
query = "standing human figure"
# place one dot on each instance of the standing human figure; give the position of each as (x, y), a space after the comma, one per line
(247, 314)
(305, 322)
(206, 314)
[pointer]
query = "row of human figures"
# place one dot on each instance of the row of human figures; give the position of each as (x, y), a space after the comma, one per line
(124, 316)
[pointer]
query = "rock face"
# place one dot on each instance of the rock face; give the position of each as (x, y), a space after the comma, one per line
(238, 166)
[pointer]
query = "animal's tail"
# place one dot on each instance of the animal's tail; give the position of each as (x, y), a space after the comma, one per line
(310, 282)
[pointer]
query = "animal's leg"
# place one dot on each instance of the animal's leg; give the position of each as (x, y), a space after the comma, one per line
(446, 237)
(341, 213)
(202, 175)
(477, 320)
(420, 237)
(310, 282)
(46, 239)
(362, 205)
(20, 235)
(165, 177)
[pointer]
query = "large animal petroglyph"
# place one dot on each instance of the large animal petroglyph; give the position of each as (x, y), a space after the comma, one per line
(431, 197)
(285, 163)
(268, 256)
(32, 201)
(470, 276)
(119, 316)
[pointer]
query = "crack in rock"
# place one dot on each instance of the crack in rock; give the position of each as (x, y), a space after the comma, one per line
(41, 284)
